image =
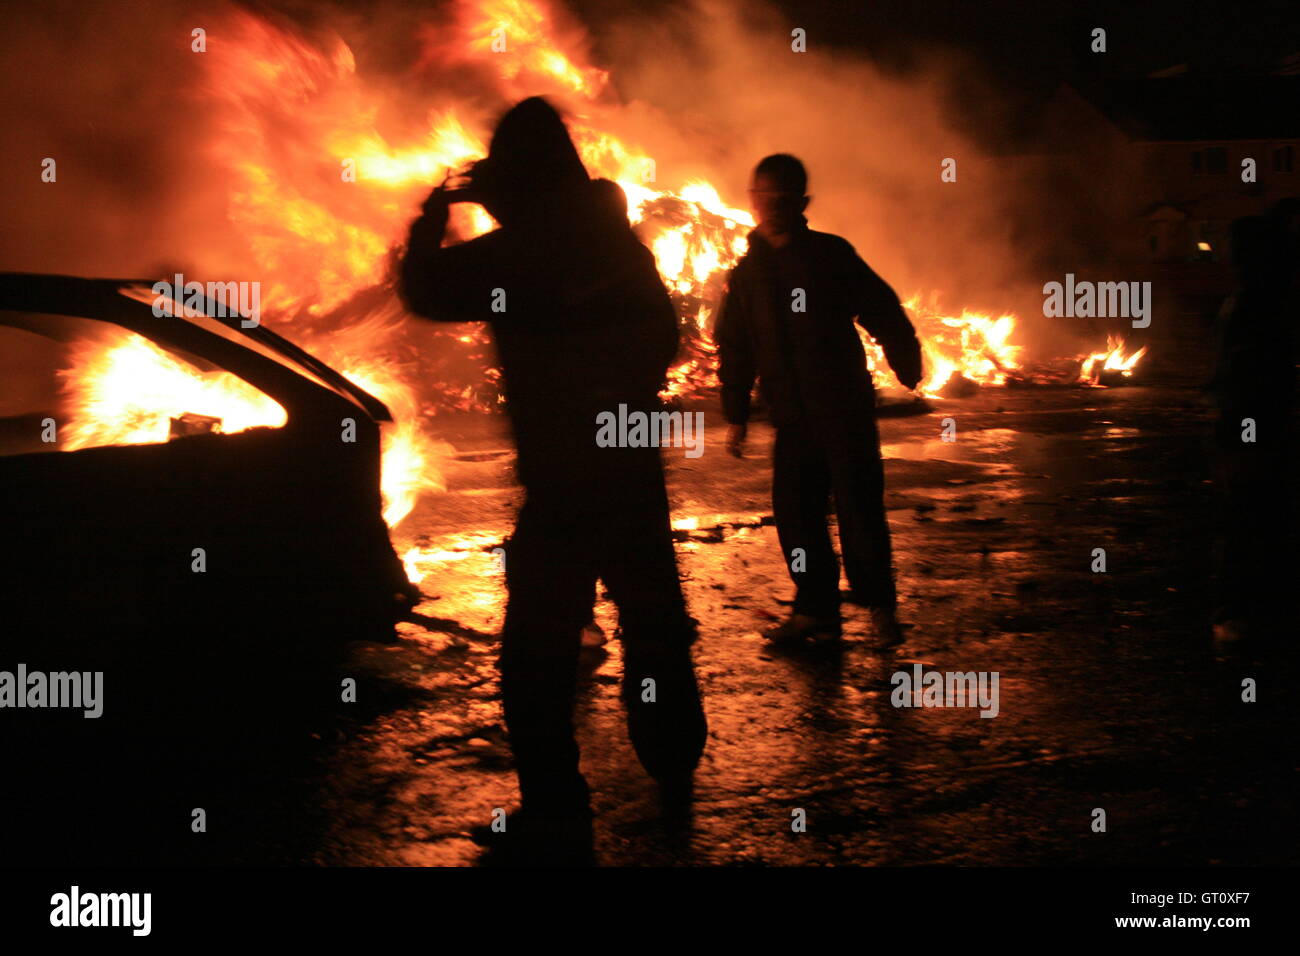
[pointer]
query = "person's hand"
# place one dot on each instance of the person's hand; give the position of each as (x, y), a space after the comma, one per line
(463, 184)
(736, 440)
(436, 205)
(457, 186)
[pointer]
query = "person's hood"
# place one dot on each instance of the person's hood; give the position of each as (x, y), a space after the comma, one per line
(531, 152)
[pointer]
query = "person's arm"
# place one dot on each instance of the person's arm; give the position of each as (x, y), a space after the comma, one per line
(882, 315)
(452, 284)
(665, 335)
(737, 367)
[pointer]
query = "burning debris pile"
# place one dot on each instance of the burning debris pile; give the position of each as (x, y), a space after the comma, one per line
(324, 200)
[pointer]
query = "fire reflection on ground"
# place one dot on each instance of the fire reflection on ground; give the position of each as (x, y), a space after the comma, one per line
(992, 551)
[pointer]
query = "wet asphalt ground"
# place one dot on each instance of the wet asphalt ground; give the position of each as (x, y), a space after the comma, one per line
(1111, 694)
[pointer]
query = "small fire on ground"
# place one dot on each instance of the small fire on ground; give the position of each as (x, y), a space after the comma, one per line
(1110, 367)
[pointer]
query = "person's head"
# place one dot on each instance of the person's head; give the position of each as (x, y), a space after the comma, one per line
(610, 201)
(1266, 248)
(778, 192)
(531, 156)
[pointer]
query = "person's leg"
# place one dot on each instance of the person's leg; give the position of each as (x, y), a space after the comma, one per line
(1257, 523)
(801, 486)
(549, 576)
(666, 720)
(858, 483)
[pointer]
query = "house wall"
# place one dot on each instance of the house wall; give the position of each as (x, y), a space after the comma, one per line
(1210, 189)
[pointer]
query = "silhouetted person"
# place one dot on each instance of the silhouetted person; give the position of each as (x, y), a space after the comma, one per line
(582, 324)
(788, 320)
(611, 202)
(1256, 429)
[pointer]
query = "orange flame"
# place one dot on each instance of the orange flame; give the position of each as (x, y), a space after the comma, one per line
(972, 346)
(522, 36)
(322, 197)
(1112, 360)
(127, 391)
(409, 456)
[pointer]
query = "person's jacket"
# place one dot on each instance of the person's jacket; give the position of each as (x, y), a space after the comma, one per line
(808, 363)
(582, 322)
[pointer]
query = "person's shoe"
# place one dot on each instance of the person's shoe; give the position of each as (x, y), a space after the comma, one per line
(534, 838)
(889, 633)
(799, 627)
(665, 717)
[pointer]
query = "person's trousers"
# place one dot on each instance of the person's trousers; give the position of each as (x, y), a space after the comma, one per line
(1257, 517)
(814, 461)
(615, 526)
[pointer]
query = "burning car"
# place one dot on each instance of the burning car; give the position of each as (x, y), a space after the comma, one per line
(266, 530)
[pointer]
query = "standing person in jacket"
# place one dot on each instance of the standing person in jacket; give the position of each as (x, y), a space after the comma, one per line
(788, 321)
(1256, 432)
(582, 324)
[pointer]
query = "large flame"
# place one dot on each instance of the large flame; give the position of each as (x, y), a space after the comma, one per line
(323, 197)
(129, 390)
(971, 347)
(409, 456)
